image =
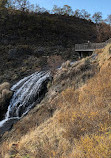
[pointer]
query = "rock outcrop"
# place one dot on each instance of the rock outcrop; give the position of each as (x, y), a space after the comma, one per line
(5, 95)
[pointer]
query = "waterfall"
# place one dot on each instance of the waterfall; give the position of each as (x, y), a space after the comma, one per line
(27, 92)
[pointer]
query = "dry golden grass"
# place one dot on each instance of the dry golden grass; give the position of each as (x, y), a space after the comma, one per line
(104, 55)
(4, 85)
(93, 146)
(80, 127)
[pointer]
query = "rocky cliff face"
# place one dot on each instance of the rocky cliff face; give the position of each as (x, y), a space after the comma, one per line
(5, 95)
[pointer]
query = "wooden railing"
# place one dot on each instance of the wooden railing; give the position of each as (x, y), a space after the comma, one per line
(91, 46)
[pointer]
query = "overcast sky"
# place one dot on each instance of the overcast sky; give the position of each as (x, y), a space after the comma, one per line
(90, 5)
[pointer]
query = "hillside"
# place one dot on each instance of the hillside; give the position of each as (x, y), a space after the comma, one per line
(34, 41)
(74, 118)
(45, 29)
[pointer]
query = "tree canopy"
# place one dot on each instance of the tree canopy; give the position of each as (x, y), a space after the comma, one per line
(97, 17)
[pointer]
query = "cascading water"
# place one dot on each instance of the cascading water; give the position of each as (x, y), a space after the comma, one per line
(27, 92)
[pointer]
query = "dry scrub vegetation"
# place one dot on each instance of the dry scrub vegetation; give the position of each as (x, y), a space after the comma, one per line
(79, 128)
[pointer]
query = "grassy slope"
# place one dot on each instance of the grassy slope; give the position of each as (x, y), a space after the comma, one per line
(74, 122)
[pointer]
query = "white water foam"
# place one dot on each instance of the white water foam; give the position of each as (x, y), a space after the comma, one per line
(26, 93)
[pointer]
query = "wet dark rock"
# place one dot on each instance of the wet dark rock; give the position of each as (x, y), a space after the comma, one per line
(5, 96)
(8, 125)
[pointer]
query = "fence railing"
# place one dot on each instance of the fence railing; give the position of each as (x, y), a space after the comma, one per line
(91, 46)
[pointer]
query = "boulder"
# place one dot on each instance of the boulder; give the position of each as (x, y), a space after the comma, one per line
(5, 96)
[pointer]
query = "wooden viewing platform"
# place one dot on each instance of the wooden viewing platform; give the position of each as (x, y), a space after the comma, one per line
(90, 47)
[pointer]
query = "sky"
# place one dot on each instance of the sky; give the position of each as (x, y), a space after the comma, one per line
(91, 6)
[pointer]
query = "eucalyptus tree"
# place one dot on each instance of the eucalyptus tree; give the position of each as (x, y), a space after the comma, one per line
(97, 17)
(85, 14)
(22, 5)
(57, 10)
(77, 13)
(67, 10)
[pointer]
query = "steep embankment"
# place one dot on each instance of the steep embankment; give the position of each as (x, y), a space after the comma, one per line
(74, 119)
